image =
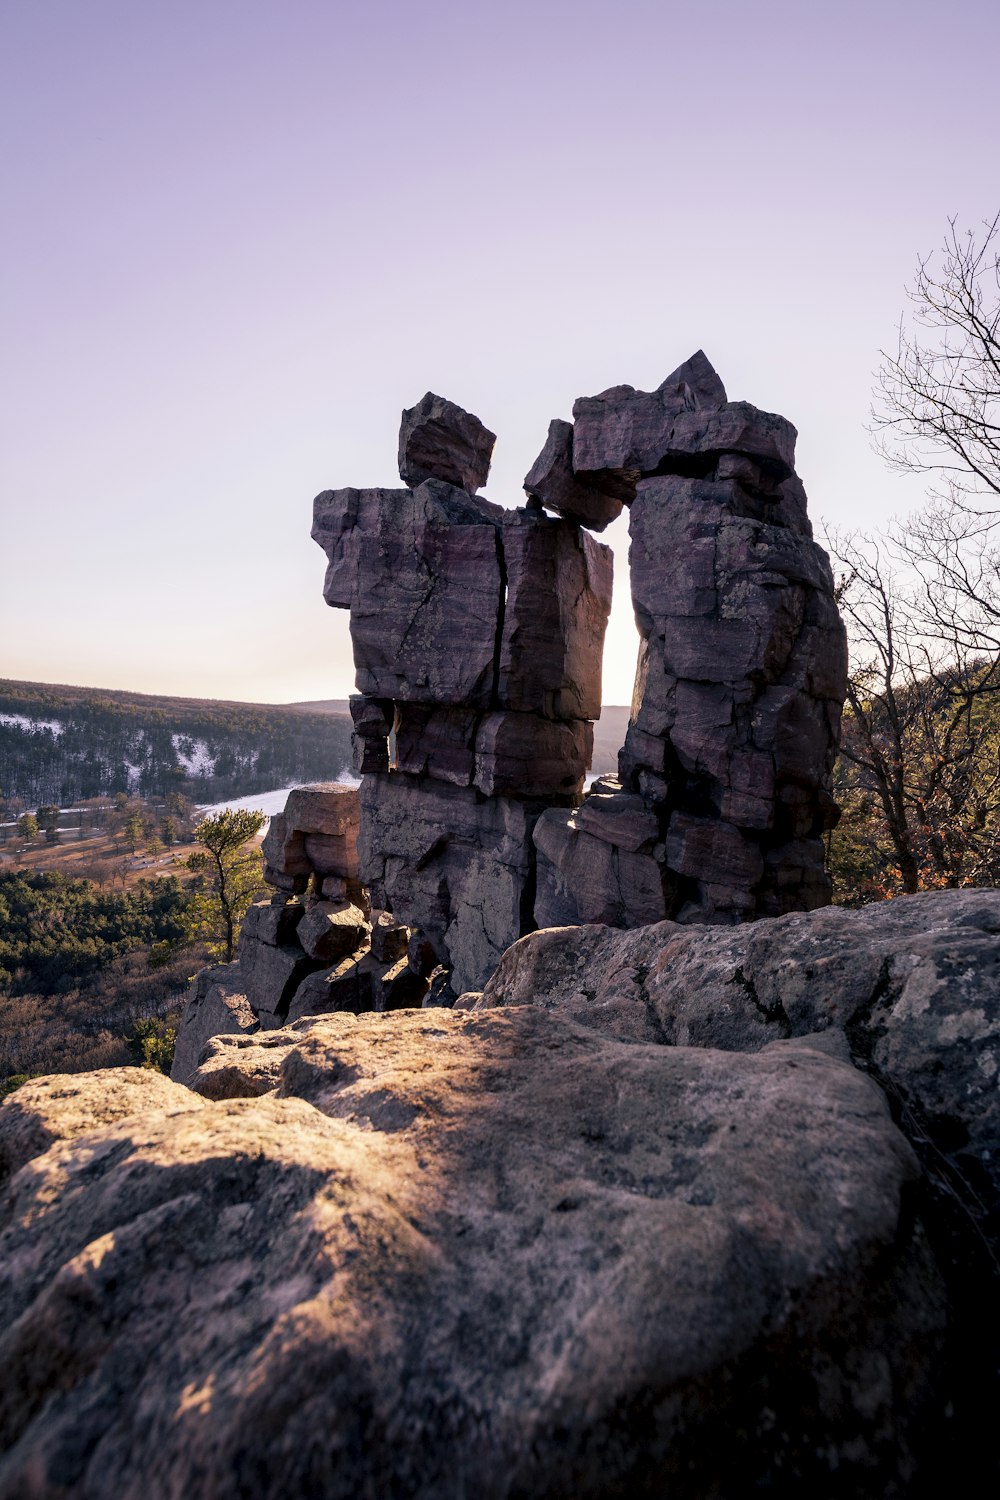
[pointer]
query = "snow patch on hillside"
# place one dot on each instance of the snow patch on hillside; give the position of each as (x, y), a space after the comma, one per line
(23, 722)
(193, 755)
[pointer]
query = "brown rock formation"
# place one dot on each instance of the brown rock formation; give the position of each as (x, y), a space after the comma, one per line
(477, 638)
(741, 676)
(438, 440)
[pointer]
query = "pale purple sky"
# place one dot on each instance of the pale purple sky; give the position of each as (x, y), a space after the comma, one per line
(240, 237)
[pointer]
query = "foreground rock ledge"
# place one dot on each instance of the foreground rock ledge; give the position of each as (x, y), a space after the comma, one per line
(914, 982)
(465, 1254)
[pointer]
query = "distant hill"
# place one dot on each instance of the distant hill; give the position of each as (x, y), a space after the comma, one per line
(62, 744)
(322, 706)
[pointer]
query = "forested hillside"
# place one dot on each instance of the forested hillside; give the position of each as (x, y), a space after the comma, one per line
(62, 744)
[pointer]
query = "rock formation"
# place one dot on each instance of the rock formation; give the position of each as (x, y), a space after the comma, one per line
(477, 637)
(315, 946)
(723, 788)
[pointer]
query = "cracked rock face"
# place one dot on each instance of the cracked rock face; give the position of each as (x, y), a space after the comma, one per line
(477, 636)
(438, 440)
(494, 1254)
(742, 665)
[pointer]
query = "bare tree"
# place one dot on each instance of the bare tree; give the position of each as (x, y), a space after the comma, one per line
(920, 767)
(919, 774)
(937, 407)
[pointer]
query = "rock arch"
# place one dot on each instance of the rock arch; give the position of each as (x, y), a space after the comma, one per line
(478, 635)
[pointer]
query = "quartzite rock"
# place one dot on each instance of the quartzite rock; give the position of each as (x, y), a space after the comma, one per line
(373, 721)
(341, 519)
(453, 863)
(332, 929)
(274, 921)
(270, 976)
(580, 878)
(625, 435)
(915, 982)
(44, 1111)
(390, 939)
(437, 742)
(478, 635)
(216, 1003)
(426, 599)
(522, 755)
(438, 440)
(284, 850)
(494, 1246)
(333, 854)
(559, 583)
(551, 482)
(330, 807)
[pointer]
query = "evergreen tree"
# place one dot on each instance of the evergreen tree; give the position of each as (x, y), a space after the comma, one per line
(232, 868)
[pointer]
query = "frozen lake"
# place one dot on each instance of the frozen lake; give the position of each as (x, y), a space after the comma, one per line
(270, 803)
(273, 802)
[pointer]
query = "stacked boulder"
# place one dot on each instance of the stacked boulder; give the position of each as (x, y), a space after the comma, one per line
(477, 637)
(723, 791)
(315, 946)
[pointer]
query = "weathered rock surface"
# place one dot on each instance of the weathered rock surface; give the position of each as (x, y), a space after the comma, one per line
(45, 1111)
(437, 742)
(457, 865)
(243, 1067)
(373, 721)
(559, 583)
(742, 665)
(552, 482)
(493, 1254)
(274, 921)
(477, 638)
(914, 982)
(217, 1003)
(583, 878)
(438, 440)
(317, 831)
(331, 929)
(522, 755)
(424, 595)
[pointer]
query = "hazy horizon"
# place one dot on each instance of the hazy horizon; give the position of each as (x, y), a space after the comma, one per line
(243, 237)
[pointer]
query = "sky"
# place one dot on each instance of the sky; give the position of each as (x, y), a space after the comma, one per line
(240, 237)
